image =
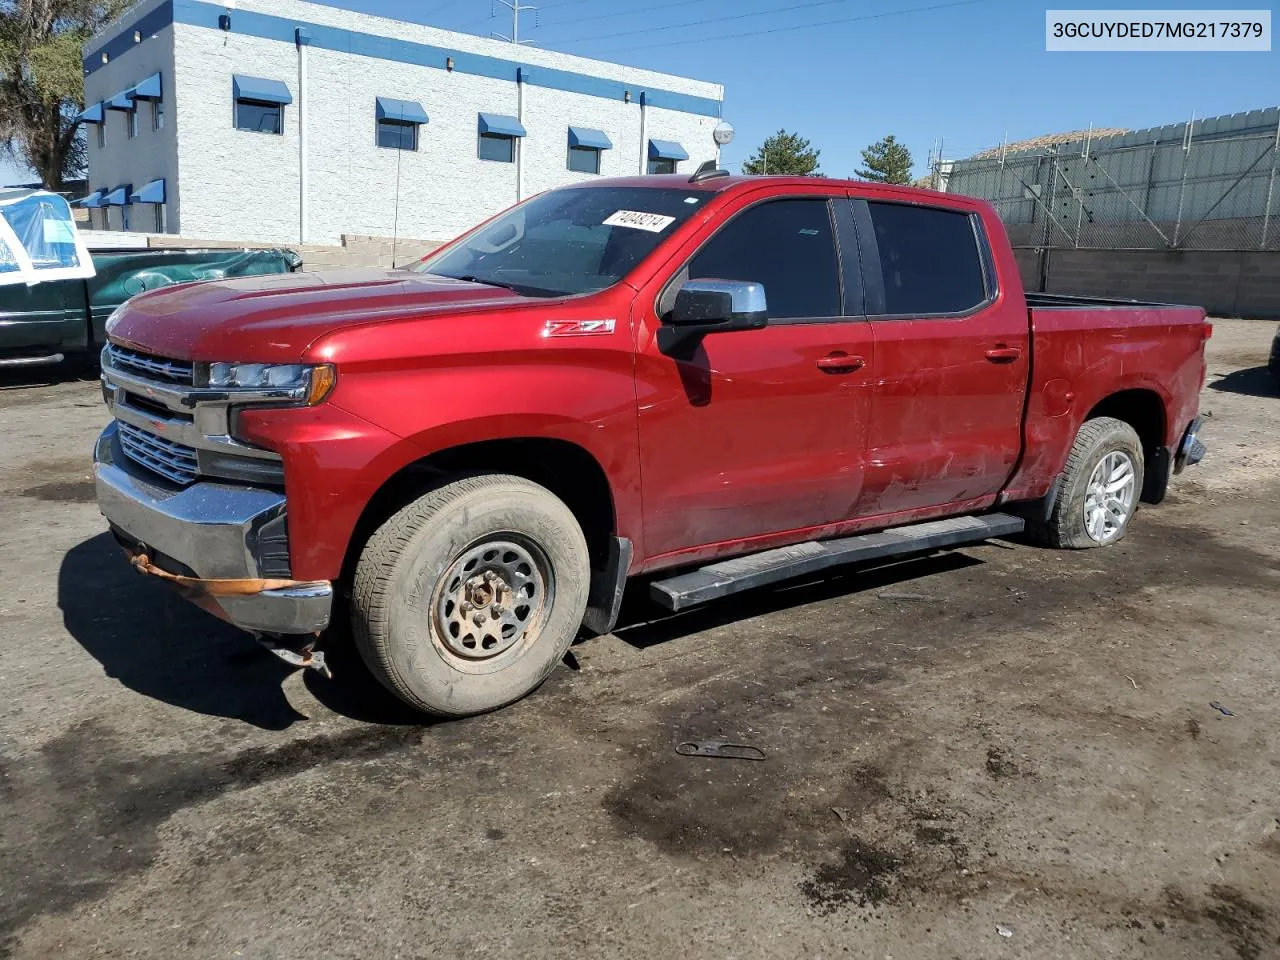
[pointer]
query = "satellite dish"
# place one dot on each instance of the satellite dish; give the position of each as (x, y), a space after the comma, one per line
(723, 132)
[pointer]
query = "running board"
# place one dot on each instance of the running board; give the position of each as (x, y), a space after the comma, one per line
(758, 569)
(42, 361)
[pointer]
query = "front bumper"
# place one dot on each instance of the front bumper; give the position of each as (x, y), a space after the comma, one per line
(210, 532)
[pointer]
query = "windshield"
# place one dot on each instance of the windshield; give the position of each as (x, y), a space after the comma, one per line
(567, 241)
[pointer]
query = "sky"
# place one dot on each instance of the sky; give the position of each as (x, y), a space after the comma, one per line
(965, 72)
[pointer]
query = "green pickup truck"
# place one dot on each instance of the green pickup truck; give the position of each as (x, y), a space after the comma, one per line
(57, 320)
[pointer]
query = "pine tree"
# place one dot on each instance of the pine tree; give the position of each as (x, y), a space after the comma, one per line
(887, 161)
(786, 154)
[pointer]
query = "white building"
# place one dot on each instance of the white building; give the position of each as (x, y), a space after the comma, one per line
(290, 122)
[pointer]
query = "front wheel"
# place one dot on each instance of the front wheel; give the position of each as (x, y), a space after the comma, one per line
(466, 599)
(1100, 487)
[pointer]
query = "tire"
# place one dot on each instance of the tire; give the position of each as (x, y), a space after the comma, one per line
(1073, 523)
(422, 568)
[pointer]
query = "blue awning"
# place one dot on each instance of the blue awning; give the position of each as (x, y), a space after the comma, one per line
(667, 150)
(408, 111)
(94, 199)
(148, 89)
(152, 192)
(502, 125)
(256, 88)
(121, 101)
(91, 114)
(586, 137)
(118, 197)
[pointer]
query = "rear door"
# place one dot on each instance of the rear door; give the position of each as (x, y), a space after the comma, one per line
(760, 431)
(952, 356)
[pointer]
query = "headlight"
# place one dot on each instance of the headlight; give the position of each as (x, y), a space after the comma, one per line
(316, 380)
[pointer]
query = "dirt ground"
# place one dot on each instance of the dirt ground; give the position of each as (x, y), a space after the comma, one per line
(999, 740)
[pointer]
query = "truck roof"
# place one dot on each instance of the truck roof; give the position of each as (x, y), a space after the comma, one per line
(680, 181)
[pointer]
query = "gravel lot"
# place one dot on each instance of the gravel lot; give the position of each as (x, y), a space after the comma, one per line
(999, 739)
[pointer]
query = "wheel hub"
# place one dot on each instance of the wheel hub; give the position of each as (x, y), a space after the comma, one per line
(1109, 497)
(491, 597)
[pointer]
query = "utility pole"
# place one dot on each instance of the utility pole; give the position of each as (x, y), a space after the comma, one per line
(516, 8)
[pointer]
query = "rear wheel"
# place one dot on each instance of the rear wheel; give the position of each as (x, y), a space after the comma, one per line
(1100, 487)
(466, 599)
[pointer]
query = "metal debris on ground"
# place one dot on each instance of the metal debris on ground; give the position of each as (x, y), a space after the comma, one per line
(1220, 708)
(306, 656)
(1004, 931)
(719, 748)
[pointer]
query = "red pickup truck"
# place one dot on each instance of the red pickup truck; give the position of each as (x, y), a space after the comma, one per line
(714, 381)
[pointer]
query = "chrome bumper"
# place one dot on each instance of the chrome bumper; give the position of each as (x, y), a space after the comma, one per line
(1191, 451)
(215, 531)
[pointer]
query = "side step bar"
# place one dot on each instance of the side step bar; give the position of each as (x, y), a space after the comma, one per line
(758, 569)
(42, 361)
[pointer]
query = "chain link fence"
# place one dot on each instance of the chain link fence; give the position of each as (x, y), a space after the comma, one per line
(1210, 189)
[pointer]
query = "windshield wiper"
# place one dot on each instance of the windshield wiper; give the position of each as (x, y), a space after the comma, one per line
(469, 278)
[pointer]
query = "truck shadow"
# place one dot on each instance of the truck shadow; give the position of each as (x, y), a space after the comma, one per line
(159, 645)
(1252, 382)
(643, 623)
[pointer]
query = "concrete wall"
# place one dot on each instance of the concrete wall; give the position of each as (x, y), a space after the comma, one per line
(232, 183)
(353, 251)
(152, 154)
(1228, 284)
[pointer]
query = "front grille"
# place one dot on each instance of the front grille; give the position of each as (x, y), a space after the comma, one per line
(175, 461)
(152, 367)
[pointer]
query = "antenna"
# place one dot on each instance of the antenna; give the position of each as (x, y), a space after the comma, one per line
(516, 8)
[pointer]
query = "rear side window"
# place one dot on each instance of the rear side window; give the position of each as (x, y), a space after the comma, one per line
(786, 245)
(929, 259)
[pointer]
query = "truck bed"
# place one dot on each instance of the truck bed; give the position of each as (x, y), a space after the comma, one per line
(1063, 301)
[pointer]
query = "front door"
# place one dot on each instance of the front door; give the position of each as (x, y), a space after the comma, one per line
(759, 431)
(952, 357)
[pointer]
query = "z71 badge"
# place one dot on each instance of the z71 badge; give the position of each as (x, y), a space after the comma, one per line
(577, 328)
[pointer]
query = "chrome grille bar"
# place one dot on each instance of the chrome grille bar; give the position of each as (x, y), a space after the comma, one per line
(171, 460)
(181, 372)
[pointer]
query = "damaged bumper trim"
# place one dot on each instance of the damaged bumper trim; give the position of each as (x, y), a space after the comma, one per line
(208, 539)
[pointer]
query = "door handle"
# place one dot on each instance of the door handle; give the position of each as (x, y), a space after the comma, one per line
(841, 363)
(1004, 354)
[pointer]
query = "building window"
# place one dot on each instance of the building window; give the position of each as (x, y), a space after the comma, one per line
(157, 114)
(584, 159)
(158, 223)
(260, 116)
(398, 134)
(495, 146)
(662, 166)
(102, 133)
(131, 118)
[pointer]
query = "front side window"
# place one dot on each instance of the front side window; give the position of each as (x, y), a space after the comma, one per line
(157, 115)
(584, 159)
(786, 245)
(568, 241)
(929, 259)
(397, 134)
(662, 166)
(132, 118)
(259, 116)
(495, 146)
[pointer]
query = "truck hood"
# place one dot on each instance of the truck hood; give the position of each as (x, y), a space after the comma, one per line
(274, 318)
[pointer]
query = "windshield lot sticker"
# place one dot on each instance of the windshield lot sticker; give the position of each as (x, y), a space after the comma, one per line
(653, 222)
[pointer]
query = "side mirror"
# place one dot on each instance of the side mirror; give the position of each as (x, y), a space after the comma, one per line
(712, 306)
